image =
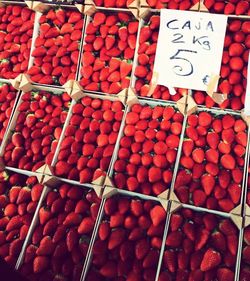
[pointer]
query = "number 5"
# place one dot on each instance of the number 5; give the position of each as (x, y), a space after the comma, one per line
(178, 69)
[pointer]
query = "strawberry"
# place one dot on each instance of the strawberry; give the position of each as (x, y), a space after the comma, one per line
(104, 230)
(40, 264)
(227, 161)
(116, 238)
(44, 215)
(202, 239)
(109, 270)
(157, 215)
(46, 246)
(170, 260)
(211, 259)
(171, 239)
(86, 226)
(175, 222)
(99, 18)
(225, 274)
(71, 239)
(208, 183)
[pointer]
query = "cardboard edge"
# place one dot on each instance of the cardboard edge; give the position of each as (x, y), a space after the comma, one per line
(80, 7)
(181, 104)
(191, 105)
(99, 181)
(245, 117)
(98, 190)
(109, 192)
(202, 7)
(89, 9)
(164, 195)
(109, 182)
(237, 220)
(175, 206)
(51, 181)
(247, 210)
(195, 7)
(237, 210)
(246, 221)
(164, 203)
(131, 97)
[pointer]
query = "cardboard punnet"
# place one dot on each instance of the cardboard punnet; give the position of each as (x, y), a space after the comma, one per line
(12, 123)
(88, 19)
(35, 220)
(100, 180)
(216, 112)
(112, 192)
(109, 179)
(36, 34)
(237, 220)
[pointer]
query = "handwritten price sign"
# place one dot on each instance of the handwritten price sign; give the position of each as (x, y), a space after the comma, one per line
(189, 48)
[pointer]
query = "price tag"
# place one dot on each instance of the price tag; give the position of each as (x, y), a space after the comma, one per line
(247, 99)
(189, 48)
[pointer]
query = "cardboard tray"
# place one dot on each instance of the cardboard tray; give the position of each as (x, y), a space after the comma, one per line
(238, 209)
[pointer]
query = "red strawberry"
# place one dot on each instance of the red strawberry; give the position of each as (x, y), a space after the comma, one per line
(46, 246)
(71, 239)
(208, 183)
(44, 215)
(30, 253)
(187, 147)
(213, 139)
(109, 270)
(40, 264)
(116, 238)
(24, 195)
(227, 227)
(227, 161)
(198, 155)
(158, 215)
(202, 239)
(218, 241)
(170, 260)
(176, 221)
(86, 226)
(211, 259)
(174, 239)
(99, 18)
(13, 193)
(204, 119)
(225, 274)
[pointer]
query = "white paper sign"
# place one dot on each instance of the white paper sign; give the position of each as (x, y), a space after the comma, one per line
(247, 99)
(189, 48)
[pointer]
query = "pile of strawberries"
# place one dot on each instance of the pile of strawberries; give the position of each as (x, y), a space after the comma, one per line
(113, 3)
(148, 149)
(128, 241)
(172, 4)
(199, 246)
(90, 138)
(145, 62)
(57, 47)
(245, 259)
(41, 116)
(19, 196)
(61, 238)
(233, 72)
(229, 7)
(8, 97)
(212, 162)
(16, 29)
(108, 52)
